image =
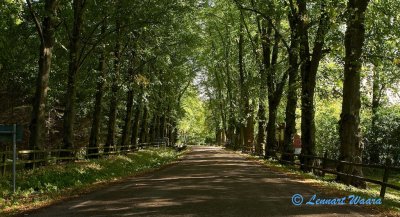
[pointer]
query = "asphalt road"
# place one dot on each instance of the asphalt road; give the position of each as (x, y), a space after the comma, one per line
(209, 181)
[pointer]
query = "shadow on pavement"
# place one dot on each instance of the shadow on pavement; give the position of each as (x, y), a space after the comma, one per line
(207, 182)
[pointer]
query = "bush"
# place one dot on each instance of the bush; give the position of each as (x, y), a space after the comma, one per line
(383, 139)
(327, 129)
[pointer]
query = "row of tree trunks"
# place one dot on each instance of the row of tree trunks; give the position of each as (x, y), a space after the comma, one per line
(350, 135)
(164, 125)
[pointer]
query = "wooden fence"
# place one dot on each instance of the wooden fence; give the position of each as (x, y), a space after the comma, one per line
(321, 164)
(52, 156)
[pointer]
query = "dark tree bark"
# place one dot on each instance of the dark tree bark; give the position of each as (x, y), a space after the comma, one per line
(74, 65)
(262, 120)
(127, 129)
(153, 128)
(221, 107)
(350, 135)
(271, 132)
(111, 131)
(95, 130)
(246, 128)
(309, 68)
(46, 35)
(162, 127)
(231, 125)
(290, 119)
(128, 117)
(143, 130)
(373, 149)
(174, 132)
(231, 121)
(135, 124)
(274, 94)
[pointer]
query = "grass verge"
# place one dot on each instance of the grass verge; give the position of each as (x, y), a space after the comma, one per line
(46, 185)
(389, 207)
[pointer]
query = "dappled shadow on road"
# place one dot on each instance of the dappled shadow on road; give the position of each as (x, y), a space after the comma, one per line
(208, 182)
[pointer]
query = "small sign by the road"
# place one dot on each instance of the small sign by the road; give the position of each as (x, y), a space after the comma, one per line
(6, 132)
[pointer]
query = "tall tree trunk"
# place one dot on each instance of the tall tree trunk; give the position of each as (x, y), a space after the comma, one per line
(110, 142)
(174, 133)
(135, 124)
(153, 128)
(95, 130)
(162, 128)
(127, 129)
(231, 113)
(231, 121)
(274, 98)
(262, 121)
(74, 65)
(290, 119)
(46, 36)
(143, 131)
(128, 120)
(309, 69)
(249, 130)
(350, 133)
(373, 149)
(271, 130)
(243, 91)
(221, 104)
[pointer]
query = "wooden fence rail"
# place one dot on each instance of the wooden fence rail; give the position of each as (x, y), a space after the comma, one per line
(384, 183)
(53, 155)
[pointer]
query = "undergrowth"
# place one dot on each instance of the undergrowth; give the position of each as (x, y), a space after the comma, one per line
(43, 185)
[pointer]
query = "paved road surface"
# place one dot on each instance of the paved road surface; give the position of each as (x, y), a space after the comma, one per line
(207, 182)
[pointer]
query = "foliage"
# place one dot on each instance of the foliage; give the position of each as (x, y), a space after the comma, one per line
(193, 127)
(326, 121)
(385, 134)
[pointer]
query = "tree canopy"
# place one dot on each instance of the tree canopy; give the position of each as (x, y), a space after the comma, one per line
(247, 74)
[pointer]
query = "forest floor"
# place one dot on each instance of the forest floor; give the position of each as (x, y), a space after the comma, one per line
(208, 181)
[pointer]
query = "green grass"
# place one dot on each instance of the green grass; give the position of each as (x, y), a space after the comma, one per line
(44, 185)
(391, 203)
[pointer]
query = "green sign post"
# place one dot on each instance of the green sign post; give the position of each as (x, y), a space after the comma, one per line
(12, 133)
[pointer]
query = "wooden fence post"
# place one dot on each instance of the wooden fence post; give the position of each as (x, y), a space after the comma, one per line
(4, 164)
(385, 178)
(34, 159)
(324, 164)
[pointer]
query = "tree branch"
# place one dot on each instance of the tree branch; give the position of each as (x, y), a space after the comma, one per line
(36, 21)
(270, 21)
